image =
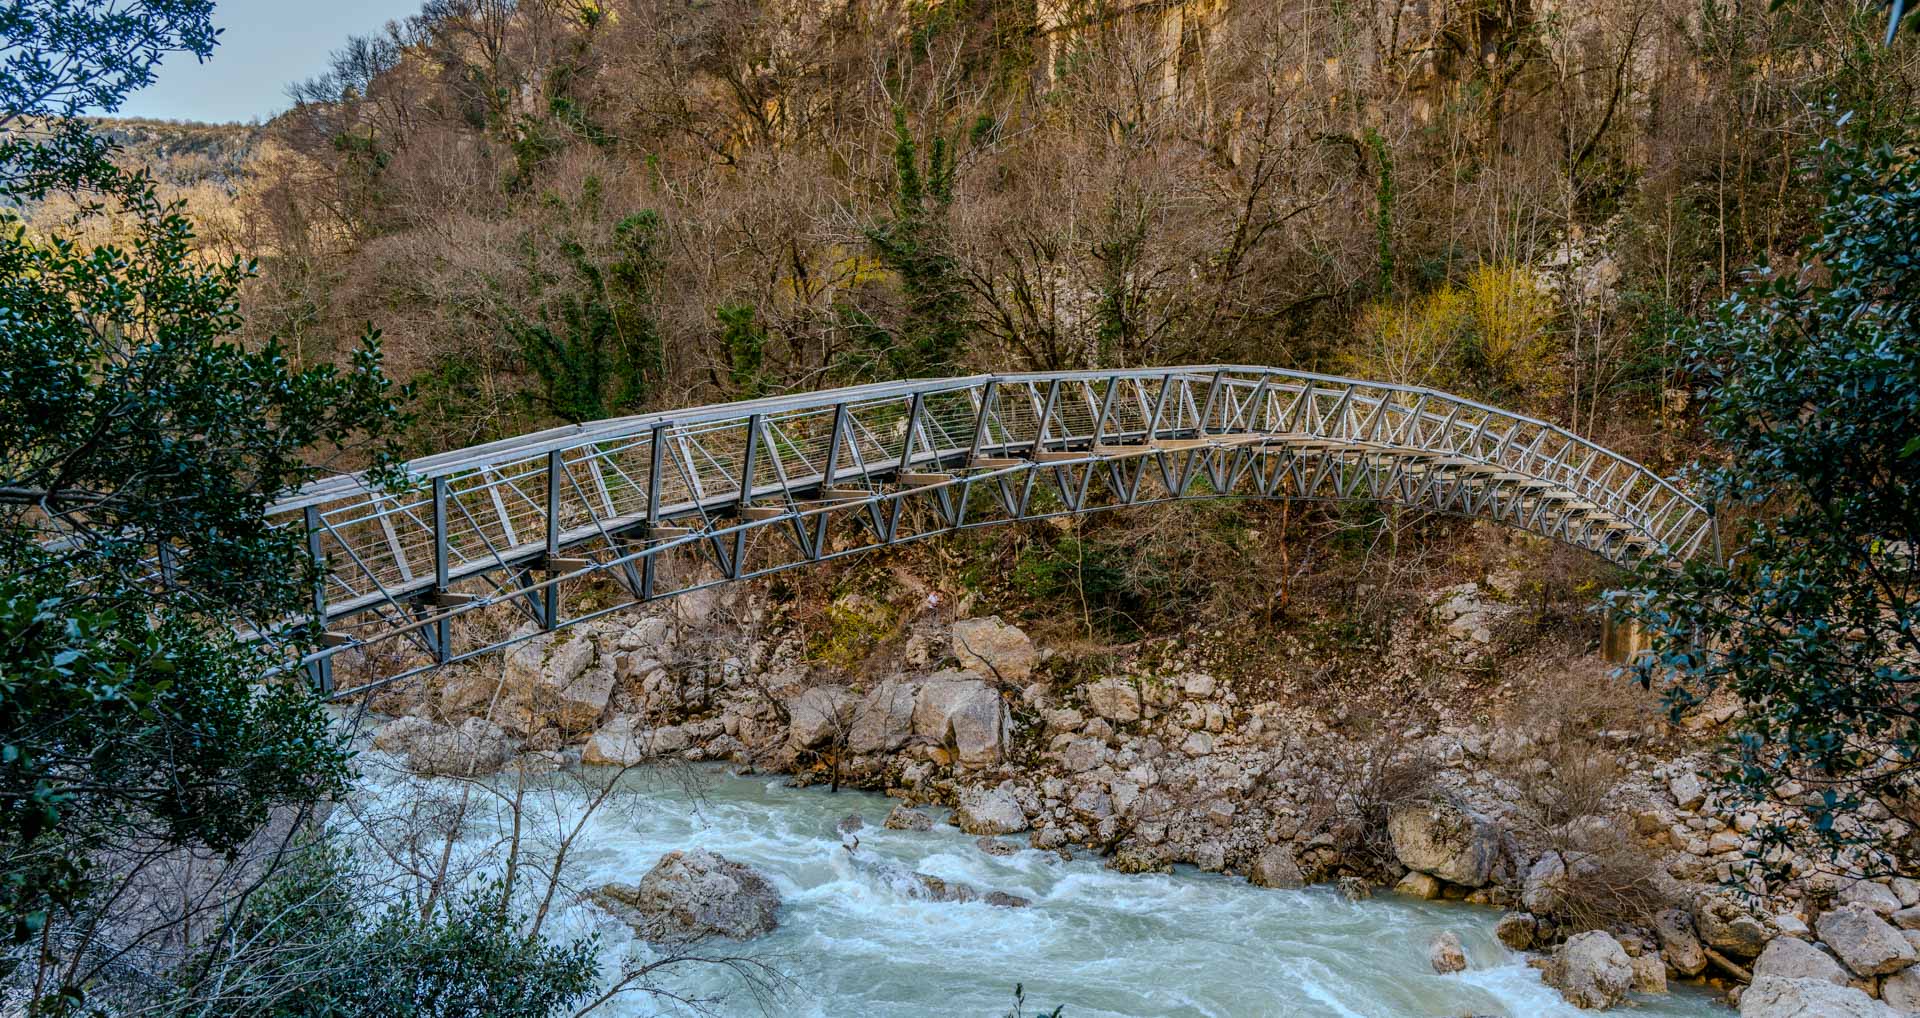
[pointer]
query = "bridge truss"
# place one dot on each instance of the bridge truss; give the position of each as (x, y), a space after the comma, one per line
(577, 522)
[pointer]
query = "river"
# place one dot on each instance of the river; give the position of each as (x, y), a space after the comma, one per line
(1103, 944)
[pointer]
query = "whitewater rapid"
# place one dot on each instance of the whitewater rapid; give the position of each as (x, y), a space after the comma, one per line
(1103, 944)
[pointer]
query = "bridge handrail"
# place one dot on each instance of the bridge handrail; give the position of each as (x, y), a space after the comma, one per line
(424, 469)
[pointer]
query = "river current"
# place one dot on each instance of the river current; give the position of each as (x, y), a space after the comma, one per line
(851, 944)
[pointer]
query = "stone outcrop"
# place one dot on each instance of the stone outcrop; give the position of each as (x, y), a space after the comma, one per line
(1591, 970)
(694, 894)
(994, 649)
(1446, 841)
(1867, 944)
(1773, 997)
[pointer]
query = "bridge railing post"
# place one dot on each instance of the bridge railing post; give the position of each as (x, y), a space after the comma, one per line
(655, 450)
(320, 671)
(442, 629)
(550, 594)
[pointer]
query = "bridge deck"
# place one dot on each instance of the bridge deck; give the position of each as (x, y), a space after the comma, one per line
(770, 484)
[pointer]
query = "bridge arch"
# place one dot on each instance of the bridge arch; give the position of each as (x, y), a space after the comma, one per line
(761, 486)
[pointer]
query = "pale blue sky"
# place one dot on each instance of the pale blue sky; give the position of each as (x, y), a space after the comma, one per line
(267, 45)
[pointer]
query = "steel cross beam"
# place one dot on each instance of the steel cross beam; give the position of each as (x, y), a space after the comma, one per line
(773, 484)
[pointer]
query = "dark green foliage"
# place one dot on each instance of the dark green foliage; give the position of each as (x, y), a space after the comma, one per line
(139, 448)
(915, 246)
(1383, 206)
(595, 345)
(1812, 381)
(744, 340)
(307, 945)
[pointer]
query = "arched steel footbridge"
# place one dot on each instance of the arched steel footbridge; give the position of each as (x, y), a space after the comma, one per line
(577, 522)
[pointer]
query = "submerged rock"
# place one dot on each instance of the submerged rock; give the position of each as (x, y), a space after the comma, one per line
(693, 894)
(994, 846)
(906, 818)
(927, 887)
(1446, 954)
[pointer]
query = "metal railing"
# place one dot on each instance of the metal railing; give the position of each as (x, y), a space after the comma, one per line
(756, 487)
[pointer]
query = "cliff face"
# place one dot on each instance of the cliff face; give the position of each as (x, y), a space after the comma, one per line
(188, 155)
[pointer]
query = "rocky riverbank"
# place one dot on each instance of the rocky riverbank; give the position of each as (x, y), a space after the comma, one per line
(1590, 825)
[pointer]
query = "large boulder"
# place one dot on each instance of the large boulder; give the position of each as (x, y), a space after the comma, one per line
(625, 740)
(1790, 958)
(883, 722)
(1678, 943)
(995, 649)
(1774, 997)
(989, 811)
(694, 894)
(1726, 926)
(1866, 943)
(820, 716)
(1114, 699)
(1446, 841)
(474, 748)
(1591, 970)
(1275, 867)
(957, 709)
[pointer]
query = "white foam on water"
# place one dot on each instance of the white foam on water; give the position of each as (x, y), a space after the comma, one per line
(855, 943)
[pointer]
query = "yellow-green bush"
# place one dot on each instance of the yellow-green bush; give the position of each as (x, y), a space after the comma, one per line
(1489, 335)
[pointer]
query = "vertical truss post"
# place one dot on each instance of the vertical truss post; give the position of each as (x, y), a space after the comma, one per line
(1213, 396)
(320, 671)
(915, 409)
(550, 594)
(443, 629)
(833, 467)
(987, 394)
(659, 441)
(754, 423)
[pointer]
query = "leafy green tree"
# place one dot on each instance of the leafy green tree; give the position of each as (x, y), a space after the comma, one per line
(915, 246)
(595, 345)
(745, 341)
(1812, 384)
